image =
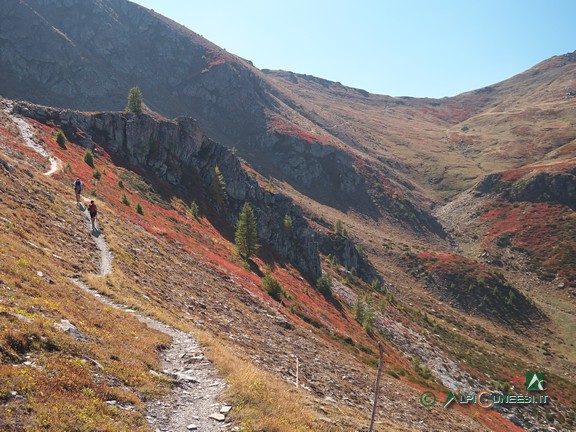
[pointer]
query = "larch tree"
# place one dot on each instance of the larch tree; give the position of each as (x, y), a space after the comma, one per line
(246, 237)
(135, 101)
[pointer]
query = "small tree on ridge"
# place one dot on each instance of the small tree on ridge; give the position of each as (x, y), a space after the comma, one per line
(134, 101)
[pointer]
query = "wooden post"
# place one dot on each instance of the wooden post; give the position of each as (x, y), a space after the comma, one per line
(377, 388)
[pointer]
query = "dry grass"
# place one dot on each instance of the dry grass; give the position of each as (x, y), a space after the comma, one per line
(261, 401)
(51, 379)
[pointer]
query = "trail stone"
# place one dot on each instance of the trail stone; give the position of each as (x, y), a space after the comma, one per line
(225, 409)
(218, 417)
(71, 329)
(7, 166)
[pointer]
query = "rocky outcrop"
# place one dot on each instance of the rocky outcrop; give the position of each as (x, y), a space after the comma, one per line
(557, 187)
(319, 170)
(546, 187)
(179, 152)
(489, 184)
(348, 254)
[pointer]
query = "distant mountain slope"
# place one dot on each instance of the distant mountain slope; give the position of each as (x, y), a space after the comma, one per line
(343, 147)
(446, 145)
(87, 55)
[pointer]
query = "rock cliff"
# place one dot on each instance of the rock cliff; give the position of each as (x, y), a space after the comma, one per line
(557, 187)
(179, 152)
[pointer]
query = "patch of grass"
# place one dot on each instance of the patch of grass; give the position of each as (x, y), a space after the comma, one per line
(260, 400)
(68, 381)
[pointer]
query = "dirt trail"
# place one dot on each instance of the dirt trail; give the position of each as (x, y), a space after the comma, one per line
(196, 393)
(28, 139)
(195, 398)
(105, 264)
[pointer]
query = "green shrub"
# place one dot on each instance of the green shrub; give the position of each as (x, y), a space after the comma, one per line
(125, 200)
(61, 139)
(218, 186)
(120, 184)
(421, 370)
(139, 209)
(272, 287)
(89, 158)
(97, 174)
(194, 209)
(287, 225)
(339, 229)
(358, 309)
(377, 286)
(324, 284)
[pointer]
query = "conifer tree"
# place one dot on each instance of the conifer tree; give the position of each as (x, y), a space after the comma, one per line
(246, 237)
(61, 139)
(287, 225)
(134, 101)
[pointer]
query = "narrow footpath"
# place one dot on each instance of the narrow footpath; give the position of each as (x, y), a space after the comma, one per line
(195, 401)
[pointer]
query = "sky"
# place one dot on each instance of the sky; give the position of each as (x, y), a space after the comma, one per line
(420, 48)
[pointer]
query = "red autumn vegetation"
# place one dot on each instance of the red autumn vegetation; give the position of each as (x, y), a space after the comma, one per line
(286, 128)
(545, 232)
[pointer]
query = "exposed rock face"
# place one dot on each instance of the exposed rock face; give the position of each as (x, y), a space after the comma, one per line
(541, 187)
(547, 187)
(321, 171)
(347, 254)
(179, 152)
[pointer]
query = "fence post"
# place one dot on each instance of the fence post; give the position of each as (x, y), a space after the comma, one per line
(377, 388)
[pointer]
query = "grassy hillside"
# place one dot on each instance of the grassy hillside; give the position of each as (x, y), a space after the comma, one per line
(183, 270)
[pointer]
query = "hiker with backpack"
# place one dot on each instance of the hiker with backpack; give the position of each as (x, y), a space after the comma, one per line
(93, 212)
(78, 189)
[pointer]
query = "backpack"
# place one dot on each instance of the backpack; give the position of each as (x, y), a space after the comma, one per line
(78, 186)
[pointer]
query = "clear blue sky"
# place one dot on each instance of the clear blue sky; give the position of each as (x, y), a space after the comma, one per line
(424, 48)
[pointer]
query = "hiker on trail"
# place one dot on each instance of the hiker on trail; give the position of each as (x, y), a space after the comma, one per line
(93, 212)
(78, 189)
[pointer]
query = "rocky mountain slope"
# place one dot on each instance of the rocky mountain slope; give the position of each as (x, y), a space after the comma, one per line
(446, 227)
(381, 156)
(231, 303)
(182, 271)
